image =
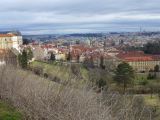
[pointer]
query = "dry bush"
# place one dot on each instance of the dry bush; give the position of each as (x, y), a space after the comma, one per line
(41, 99)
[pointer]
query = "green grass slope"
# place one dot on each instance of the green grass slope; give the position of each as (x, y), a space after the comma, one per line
(8, 113)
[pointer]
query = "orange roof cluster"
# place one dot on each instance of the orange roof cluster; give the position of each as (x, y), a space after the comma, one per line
(7, 35)
(88, 53)
(136, 59)
(47, 46)
(82, 48)
(131, 54)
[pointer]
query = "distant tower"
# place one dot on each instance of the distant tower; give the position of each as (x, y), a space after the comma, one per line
(90, 42)
(140, 29)
(104, 43)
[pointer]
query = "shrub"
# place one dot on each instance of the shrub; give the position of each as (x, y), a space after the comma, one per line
(143, 82)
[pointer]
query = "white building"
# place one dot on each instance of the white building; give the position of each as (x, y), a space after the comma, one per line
(10, 40)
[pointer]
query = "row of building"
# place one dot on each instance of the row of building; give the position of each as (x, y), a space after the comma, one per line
(11, 45)
(140, 61)
(80, 53)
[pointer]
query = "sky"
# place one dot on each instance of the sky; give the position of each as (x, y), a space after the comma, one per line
(79, 16)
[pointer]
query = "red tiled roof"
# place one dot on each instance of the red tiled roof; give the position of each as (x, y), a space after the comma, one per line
(136, 59)
(7, 35)
(137, 56)
(47, 46)
(82, 48)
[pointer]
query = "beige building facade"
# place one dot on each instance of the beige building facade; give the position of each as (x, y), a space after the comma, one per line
(140, 61)
(143, 65)
(9, 40)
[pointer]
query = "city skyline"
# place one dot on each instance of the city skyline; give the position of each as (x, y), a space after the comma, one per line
(79, 16)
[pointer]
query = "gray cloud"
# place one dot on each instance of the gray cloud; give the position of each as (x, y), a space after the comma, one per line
(69, 16)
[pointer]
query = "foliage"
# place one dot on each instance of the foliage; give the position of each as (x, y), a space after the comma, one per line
(124, 74)
(99, 78)
(69, 57)
(29, 54)
(151, 75)
(75, 69)
(89, 63)
(152, 48)
(132, 48)
(154, 88)
(8, 113)
(143, 82)
(64, 72)
(52, 57)
(41, 99)
(25, 41)
(38, 70)
(102, 63)
(156, 68)
(101, 83)
(23, 59)
(77, 42)
(78, 58)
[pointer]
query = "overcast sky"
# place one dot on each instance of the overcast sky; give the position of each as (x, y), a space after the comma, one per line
(79, 16)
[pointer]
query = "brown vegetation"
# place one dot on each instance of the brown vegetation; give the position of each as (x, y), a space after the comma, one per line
(41, 99)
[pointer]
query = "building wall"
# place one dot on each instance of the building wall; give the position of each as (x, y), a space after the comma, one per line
(8, 57)
(5, 42)
(39, 53)
(11, 42)
(144, 65)
(16, 42)
(60, 56)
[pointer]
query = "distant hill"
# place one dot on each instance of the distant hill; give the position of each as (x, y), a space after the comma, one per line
(14, 32)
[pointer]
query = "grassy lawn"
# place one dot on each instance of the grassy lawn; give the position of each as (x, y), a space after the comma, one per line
(61, 71)
(153, 102)
(141, 78)
(8, 113)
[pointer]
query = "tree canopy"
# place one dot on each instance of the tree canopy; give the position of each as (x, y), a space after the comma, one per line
(152, 48)
(124, 74)
(23, 59)
(52, 57)
(25, 41)
(29, 54)
(156, 68)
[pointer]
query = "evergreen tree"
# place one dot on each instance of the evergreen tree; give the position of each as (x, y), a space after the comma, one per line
(152, 48)
(151, 74)
(69, 57)
(52, 57)
(25, 41)
(101, 83)
(23, 59)
(30, 54)
(78, 58)
(19, 59)
(102, 63)
(89, 62)
(156, 68)
(124, 75)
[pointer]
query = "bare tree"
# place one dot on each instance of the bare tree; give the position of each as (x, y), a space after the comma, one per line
(40, 99)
